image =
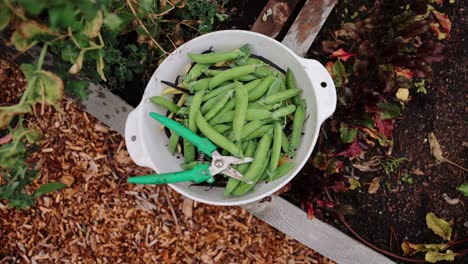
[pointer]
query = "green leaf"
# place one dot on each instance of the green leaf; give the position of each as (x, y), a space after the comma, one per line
(439, 226)
(347, 134)
(388, 111)
(433, 257)
(354, 184)
(77, 88)
(463, 189)
(62, 17)
(144, 7)
(51, 86)
(113, 22)
(339, 74)
(49, 187)
(5, 16)
(411, 249)
(33, 7)
(100, 66)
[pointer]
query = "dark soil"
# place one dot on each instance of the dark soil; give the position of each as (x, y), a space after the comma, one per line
(398, 208)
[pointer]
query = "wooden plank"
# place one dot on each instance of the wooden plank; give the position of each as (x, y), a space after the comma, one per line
(314, 233)
(274, 16)
(307, 25)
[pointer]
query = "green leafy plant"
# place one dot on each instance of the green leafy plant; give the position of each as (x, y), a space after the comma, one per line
(392, 164)
(16, 174)
(463, 189)
(407, 178)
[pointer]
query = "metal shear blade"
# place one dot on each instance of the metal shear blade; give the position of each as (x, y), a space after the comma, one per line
(222, 164)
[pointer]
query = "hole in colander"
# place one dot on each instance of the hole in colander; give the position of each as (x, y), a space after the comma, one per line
(323, 84)
(133, 138)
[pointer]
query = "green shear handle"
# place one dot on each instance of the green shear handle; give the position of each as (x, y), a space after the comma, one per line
(203, 144)
(198, 174)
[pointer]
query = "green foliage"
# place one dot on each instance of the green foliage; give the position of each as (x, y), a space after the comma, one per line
(463, 189)
(16, 174)
(392, 164)
(388, 111)
(421, 86)
(205, 12)
(347, 134)
(407, 178)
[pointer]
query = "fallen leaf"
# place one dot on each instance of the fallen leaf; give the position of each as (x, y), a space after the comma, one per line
(352, 151)
(122, 157)
(385, 127)
(444, 21)
(354, 184)
(403, 72)
(347, 134)
(329, 67)
(439, 34)
(187, 207)
(435, 148)
(411, 249)
(417, 172)
(439, 226)
(463, 189)
(402, 94)
(374, 186)
(342, 54)
(433, 257)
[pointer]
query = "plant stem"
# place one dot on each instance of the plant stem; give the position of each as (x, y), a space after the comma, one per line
(383, 251)
(40, 61)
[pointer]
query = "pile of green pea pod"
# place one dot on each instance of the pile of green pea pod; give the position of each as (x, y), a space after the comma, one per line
(246, 105)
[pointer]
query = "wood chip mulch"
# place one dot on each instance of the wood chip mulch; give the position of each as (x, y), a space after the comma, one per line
(101, 219)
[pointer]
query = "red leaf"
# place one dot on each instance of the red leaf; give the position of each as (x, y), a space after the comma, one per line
(328, 204)
(310, 210)
(385, 127)
(443, 20)
(440, 35)
(407, 73)
(342, 54)
(352, 151)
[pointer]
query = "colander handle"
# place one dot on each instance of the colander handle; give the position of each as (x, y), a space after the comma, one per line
(324, 88)
(133, 140)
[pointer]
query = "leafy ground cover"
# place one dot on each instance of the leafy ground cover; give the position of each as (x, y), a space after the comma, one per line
(393, 154)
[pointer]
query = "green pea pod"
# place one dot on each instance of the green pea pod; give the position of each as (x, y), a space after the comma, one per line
(298, 123)
(251, 127)
(240, 111)
(216, 119)
(283, 111)
(189, 166)
(291, 84)
(194, 108)
(282, 170)
(231, 74)
(252, 114)
(285, 143)
(254, 61)
(215, 57)
(218, 106)
(166, 103)
(221, 128)
(220, 90)
(274, 87)
(279, 97)
(173, 141)
(260, 158)
(202, 84)
(252, 85)
(247, 78)
(189, 148)
(243, 187)
(196, 71)
(232, 183)
(263, 71)
(276, 149)
(210, 103)
(215, 137)
(267, 129)
(211, 72)
(261, 89)
(263, 106)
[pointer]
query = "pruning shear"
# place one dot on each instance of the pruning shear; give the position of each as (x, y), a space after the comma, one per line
(201, 172)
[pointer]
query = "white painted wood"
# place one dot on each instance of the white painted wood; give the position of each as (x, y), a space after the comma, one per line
(314, 233)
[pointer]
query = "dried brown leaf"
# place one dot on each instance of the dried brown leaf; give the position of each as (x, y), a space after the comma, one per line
(435, 148)
(374, 186)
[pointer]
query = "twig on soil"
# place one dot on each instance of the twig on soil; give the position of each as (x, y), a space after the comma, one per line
(342, 219)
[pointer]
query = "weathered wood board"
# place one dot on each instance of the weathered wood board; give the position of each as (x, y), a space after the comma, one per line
(307, 25)
(274, 16)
